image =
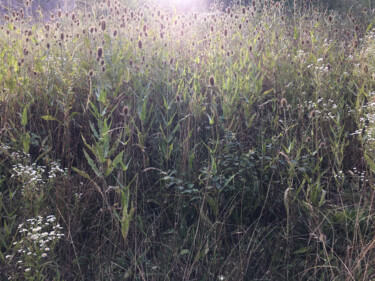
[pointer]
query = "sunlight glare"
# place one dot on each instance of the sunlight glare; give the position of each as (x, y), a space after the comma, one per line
(184, 4)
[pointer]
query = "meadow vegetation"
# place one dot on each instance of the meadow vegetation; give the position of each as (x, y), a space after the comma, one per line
(141, 142)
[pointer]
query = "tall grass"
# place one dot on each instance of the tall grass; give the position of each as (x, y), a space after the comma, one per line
(230, 144)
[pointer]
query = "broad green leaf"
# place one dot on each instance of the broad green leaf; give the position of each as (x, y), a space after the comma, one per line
(92, 164)
(24, 117)
(49, 118)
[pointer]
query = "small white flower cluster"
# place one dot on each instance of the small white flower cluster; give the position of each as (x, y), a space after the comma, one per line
(37, 236)
(340, 175)
(322, 108)
(55, 170)
(32, 176)
(4, 147)
(360, 175)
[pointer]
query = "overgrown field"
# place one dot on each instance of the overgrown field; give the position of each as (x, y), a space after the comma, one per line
(148, 143)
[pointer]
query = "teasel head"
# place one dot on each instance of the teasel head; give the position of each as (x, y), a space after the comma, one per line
(59, 13)
(312, 114)
(365, 69)
(139, 44)
(48, 45)
(100, 52)
(125, 110)
(91, 73)
(178, 98)
(62, 36)
(103, 68)
(92, 29)
(212, 81)
(103, 25)
(115, 33)
(225, 32)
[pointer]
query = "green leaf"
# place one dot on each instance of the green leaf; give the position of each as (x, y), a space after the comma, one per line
(302, 250)
(92, 164)
(24, 116)
(81, 173)
(114, 163)
(26, 142)
(49, 118)
(184, 251)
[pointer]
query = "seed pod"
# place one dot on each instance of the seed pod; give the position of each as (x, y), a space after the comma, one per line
(212, 81)
(100, 52)
(283, 103)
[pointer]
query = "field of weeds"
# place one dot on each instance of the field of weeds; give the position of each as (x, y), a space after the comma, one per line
(143, 142)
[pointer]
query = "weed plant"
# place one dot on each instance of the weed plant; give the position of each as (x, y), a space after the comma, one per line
(235, 143)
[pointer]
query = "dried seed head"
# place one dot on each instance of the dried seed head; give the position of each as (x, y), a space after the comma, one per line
(48, 45)
(312, 114)
(91, 73)
(140, 44)
(225, 32)
(308, 139)
(212, 81)
(283, 102)
(115, 33)
(103, 25)
(100, 52)
(103, 68)
(62, 36)
(125, 110)
(178, 98)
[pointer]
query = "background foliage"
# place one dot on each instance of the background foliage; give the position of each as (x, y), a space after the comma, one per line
(232, 143)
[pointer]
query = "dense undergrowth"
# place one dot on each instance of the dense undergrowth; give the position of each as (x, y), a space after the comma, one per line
(147, 143)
